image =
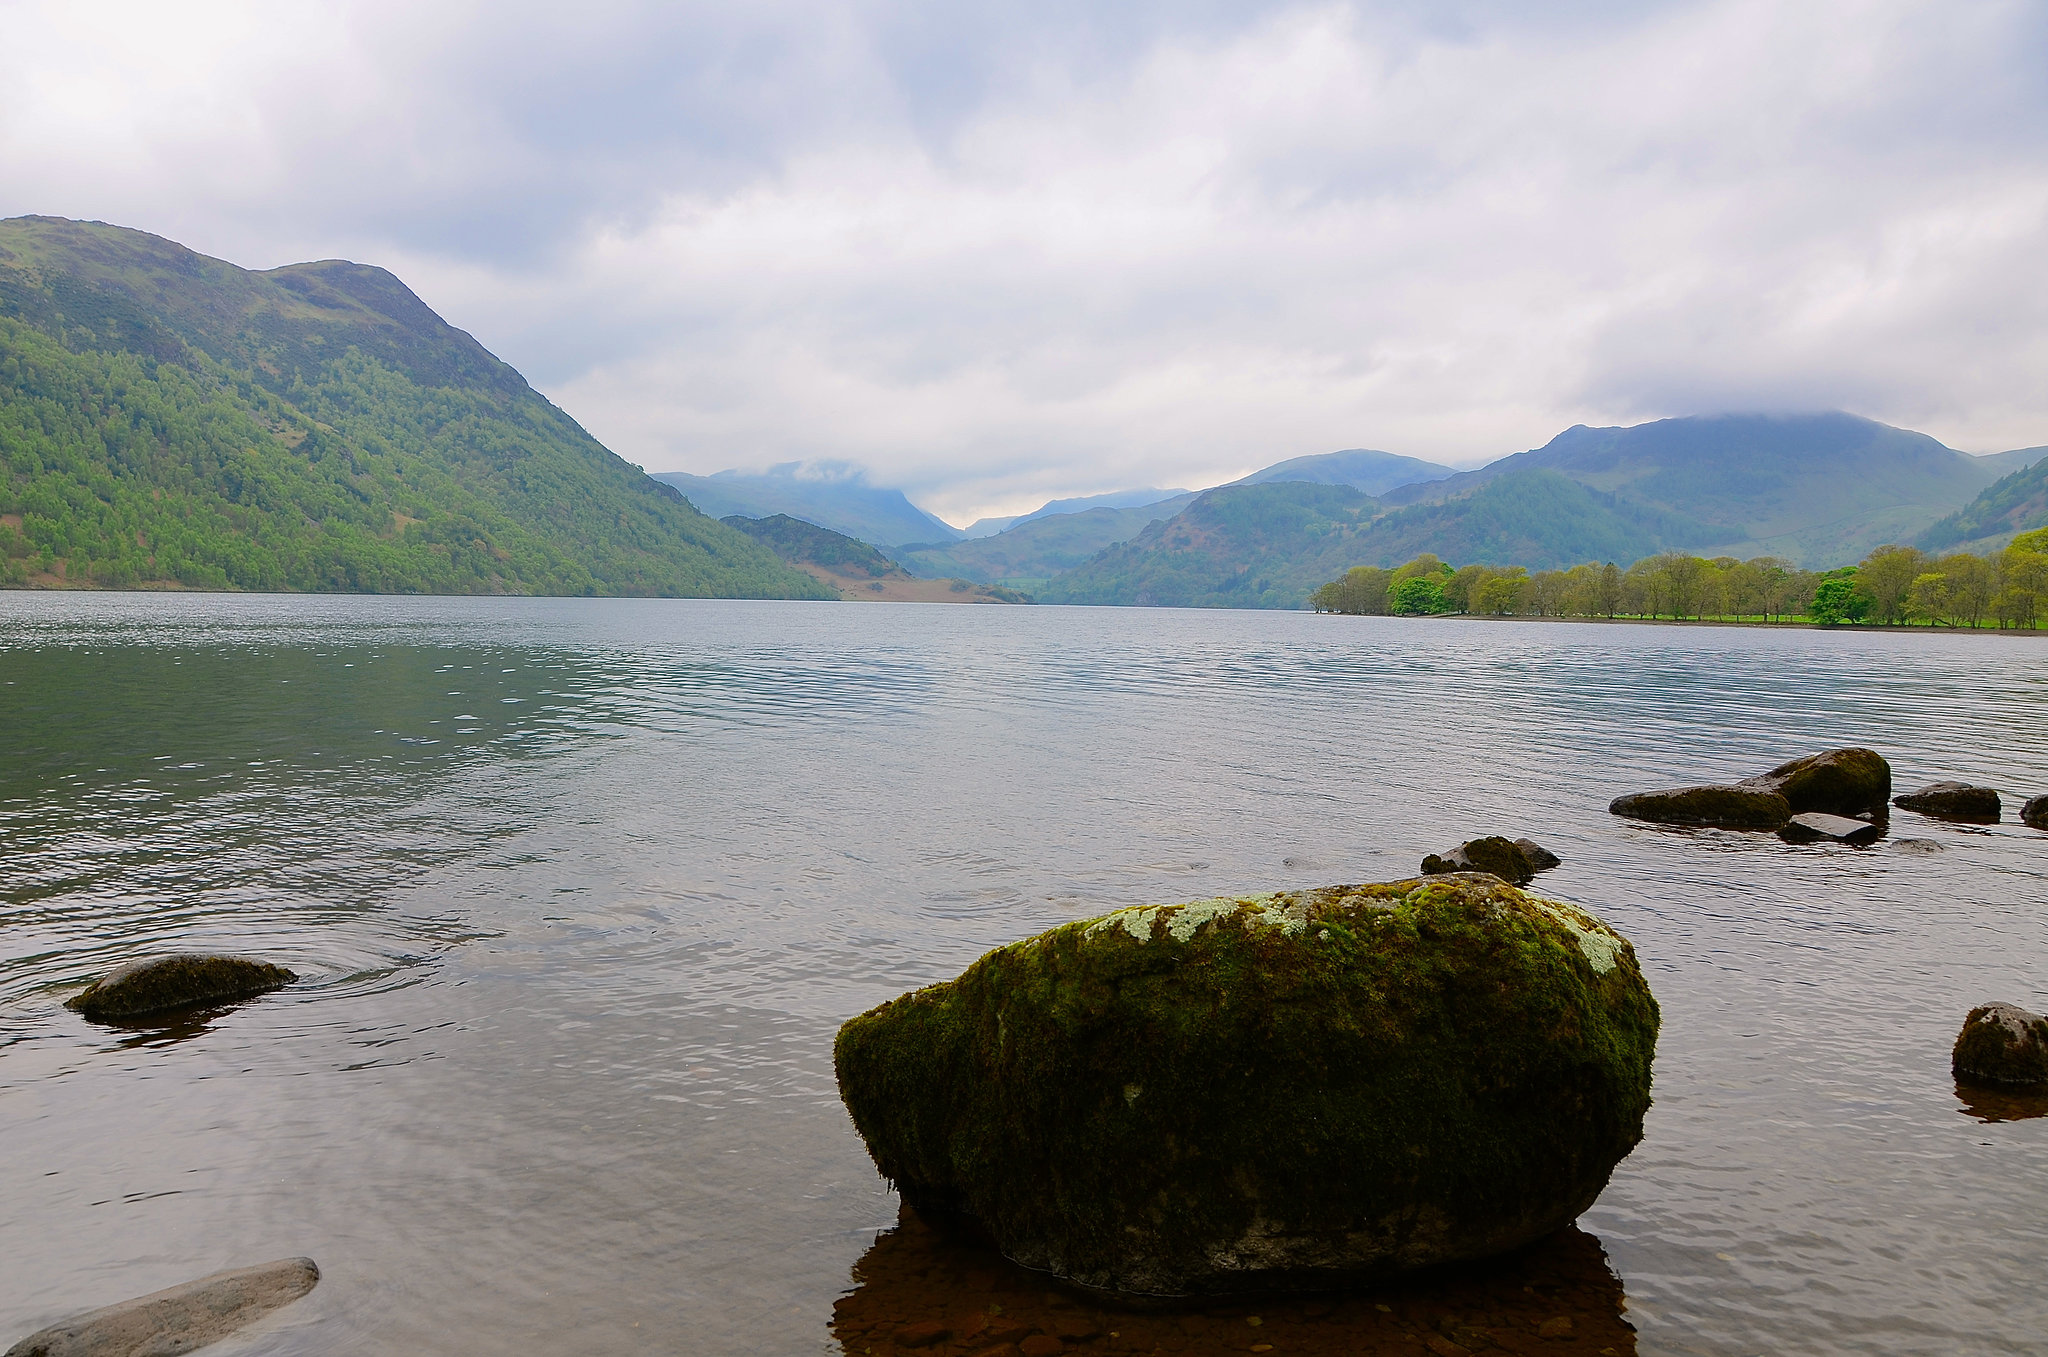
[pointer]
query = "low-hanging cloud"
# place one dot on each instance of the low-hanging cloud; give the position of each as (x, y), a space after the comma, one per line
(998, 254)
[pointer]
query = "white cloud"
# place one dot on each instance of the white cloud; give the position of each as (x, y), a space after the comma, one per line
(1038, 253)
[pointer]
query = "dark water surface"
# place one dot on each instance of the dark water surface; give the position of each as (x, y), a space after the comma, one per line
(581, 890)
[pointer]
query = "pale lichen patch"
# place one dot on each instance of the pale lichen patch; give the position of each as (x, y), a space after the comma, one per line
(1599, 944)
(1136, 921)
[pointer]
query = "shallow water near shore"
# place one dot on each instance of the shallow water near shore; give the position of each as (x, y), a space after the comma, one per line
(580, 890)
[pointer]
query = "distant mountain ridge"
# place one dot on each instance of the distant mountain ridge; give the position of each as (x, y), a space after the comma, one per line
(2009, 506)
(1366, 469)
(831, 496)
(170, 419)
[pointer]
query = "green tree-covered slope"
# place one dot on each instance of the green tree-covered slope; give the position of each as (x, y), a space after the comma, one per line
(167, 418)
(1036, 549)
(2015, 504)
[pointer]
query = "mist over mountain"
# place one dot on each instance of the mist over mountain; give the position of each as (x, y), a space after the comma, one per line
(831, 495)
(170, 419)
(1365, 469)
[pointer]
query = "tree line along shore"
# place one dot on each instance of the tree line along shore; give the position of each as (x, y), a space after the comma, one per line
(1893, 586)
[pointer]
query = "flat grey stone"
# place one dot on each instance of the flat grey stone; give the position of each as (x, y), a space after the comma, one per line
(1813, 824)
(178, 1319)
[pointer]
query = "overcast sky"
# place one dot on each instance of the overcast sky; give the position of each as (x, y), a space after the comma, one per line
(1001, 252)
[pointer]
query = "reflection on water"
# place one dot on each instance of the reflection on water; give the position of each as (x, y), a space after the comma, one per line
(932, 1290)
(1990, 1104)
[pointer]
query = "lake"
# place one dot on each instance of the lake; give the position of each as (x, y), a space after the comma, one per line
(580, 890)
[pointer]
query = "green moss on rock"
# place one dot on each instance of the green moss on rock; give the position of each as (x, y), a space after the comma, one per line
(177, 982)
(1291, 1089)
(2002, 1044)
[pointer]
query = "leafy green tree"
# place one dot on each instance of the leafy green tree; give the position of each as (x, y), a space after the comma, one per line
(1886, 578)
(1416, 595)
(1837, 600)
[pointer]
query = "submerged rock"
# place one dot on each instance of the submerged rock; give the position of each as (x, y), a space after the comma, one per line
(1834, 781)
(2003, 1044)
(1813, 825)
(2035, 813)
(1504, 858)
(1954, 801)
(1274, 1091)
(1921, 847)
(1715, 807)
(177, 982)
(178, 1319)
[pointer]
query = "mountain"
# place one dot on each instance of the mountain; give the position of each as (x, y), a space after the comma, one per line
(856, 570)
(1237, 546)
(1080, 504)
(1037, 549)
(2014, 504)
(168, 418)
(1818, 489)
(1365, 469)
(831, 495)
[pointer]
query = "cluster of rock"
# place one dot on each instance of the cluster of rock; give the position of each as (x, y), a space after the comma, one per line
(1845, 783)
(1513, 860)
(1282, 1091)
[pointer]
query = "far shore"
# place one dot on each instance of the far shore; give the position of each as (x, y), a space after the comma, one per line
(1879, 627)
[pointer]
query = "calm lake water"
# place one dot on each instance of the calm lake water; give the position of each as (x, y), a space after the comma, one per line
(580, 891)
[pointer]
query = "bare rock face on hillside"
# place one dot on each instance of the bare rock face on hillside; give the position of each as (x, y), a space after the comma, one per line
(163, 983)
(2003, 1044)
(1712, 807)
(1835, 782)
(1287, 1091)
(1954, 801)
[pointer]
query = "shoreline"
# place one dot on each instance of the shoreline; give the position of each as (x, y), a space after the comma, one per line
(1875, 627)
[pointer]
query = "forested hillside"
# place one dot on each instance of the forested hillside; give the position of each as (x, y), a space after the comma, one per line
(2014, 504)
(170, 419)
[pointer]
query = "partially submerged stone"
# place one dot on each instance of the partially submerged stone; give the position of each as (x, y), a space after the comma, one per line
(178, 1319)
(1541, 859)
(1835, 781)
(177, 982)
(1502, 857)
(1813, 825)
(1954, 801)
(1297, 1089)
(1713, 807)
(2034, 814)
(2003, 1044)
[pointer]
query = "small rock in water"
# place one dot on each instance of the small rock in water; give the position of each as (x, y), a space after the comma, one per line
(1953, 801)
(2002, 1044)
(1504, 858)
(178, 1319)
(1923, 847)
(177, 982)
(2034, 814)
(1835, 781)
(1710, 807)
(1814, 825)
(1541, 859)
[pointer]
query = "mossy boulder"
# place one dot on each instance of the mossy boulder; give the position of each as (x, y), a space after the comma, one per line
(1847, 781)
(1711, 807)
(1954, 801)
(2002, 1044)
(1292, 1090)
(163, 983)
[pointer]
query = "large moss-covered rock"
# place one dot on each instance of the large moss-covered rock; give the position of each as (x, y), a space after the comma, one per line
(162, 983)
(1503, 857)
(1712, 807)
(1280, 1090)
(1835, 781)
